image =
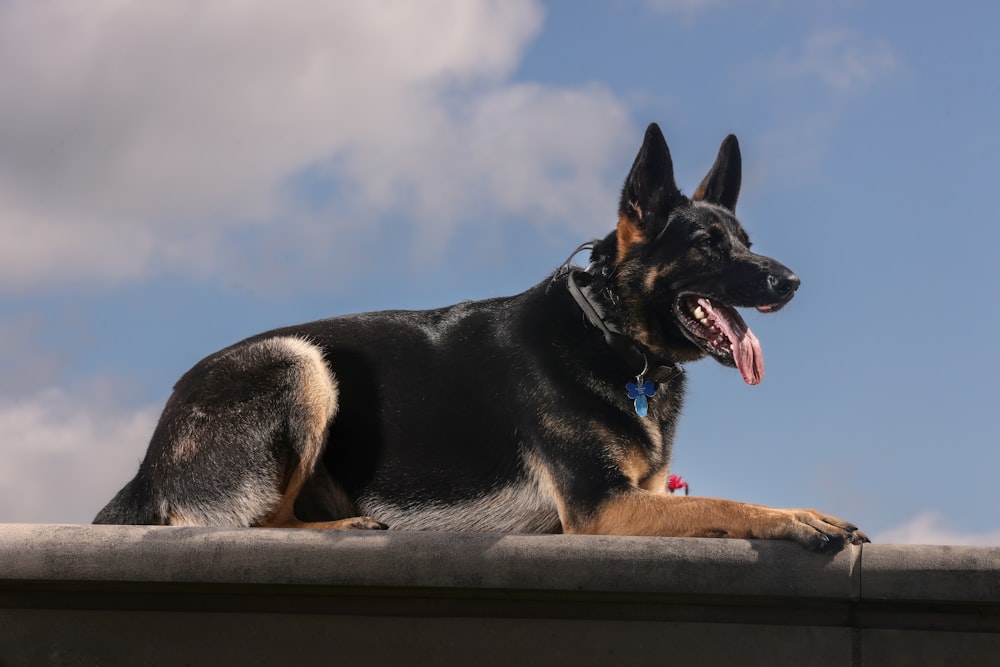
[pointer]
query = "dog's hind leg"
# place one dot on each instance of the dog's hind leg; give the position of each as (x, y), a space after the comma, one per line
(312, 404)
(284, 516)
(239, 437)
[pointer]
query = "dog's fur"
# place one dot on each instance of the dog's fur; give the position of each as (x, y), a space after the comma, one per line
(509, 414)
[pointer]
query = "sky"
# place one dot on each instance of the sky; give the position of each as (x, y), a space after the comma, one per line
(177, 176)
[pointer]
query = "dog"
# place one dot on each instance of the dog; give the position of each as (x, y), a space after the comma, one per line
(553, 410)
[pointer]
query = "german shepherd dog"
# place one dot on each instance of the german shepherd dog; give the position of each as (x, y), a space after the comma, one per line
(553, 410)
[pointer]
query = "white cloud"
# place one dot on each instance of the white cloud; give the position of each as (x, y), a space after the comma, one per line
(66, 456)
(933, 528)
(806, 89)
(840, 60)
(140, 136)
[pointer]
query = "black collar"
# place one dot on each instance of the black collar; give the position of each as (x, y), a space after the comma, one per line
(630, 351)
(595, 305)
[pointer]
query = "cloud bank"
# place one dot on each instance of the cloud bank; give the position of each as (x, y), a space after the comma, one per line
(67, 447)
(141, 137)
(934, 528)
(839, 60)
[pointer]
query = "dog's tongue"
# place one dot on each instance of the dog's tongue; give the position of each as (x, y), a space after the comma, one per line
(746, 348)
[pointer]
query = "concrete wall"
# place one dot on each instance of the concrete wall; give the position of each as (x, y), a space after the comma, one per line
(111, 595)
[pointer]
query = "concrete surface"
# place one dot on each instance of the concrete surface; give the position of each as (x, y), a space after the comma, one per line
(136, 595)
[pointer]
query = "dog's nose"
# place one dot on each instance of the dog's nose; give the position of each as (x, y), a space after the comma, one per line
(783, 286)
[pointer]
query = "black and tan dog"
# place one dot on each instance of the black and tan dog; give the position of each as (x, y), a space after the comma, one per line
(552, 410)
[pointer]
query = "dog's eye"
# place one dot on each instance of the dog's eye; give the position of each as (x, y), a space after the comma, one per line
(701, 239)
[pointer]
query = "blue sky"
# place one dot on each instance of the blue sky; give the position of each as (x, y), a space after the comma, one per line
(176, 176)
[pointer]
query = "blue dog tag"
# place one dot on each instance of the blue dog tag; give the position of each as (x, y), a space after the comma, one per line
(639, 390)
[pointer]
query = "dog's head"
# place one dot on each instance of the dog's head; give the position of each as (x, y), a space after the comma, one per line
(681, 266)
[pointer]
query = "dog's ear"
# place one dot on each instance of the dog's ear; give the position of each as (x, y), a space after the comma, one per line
(650, 182)
(722, 184)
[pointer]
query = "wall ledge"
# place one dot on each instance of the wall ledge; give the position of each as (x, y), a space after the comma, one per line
(700, 595)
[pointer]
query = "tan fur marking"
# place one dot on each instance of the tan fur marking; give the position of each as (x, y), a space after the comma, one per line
(543, 478)
(329, 496)
(632, 461)
(186, 445)
(635, 207)
(655, 435)
(637, 468)
(628, 234)
(354, 523)
(629, 460)
(652, 275)
(284, 515)
(700, 191)
(317, 405)
(656, 482)
(634, 467)
(177, 518)
(319, 394)
(640, 512)
(183, 449)
(555, 426)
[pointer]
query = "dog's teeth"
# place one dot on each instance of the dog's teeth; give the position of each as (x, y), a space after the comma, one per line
(699, 314)
(732, 347)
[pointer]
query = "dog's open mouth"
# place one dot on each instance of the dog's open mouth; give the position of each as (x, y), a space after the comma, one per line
(720, 331)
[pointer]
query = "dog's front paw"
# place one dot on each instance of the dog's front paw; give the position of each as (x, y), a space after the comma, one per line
(820, 532)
